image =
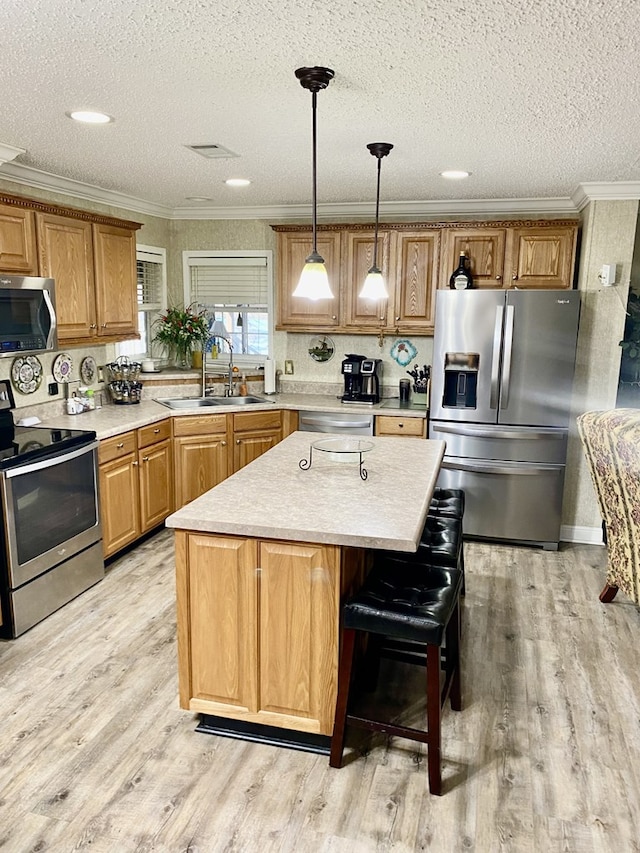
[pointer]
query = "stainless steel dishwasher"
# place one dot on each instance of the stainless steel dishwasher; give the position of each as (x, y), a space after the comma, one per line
(345, 423)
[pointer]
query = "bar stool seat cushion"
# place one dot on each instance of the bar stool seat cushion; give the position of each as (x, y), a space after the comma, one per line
(447, 502)
(405, 604)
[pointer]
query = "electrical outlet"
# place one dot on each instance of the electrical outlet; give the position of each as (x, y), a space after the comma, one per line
(288, 366)
(53, 389)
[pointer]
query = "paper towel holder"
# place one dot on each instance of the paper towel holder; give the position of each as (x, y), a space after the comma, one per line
(270, 376)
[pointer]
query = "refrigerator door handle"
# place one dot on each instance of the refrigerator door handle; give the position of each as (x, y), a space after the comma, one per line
(481, 432)
(506, 367)
(527, 469)
(495, 359)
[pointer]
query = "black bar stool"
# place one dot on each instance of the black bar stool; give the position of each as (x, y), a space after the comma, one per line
(447, 503)
(418, 604)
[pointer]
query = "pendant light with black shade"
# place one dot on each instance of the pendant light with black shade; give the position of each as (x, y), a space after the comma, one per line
(314, 281)
(374, 286)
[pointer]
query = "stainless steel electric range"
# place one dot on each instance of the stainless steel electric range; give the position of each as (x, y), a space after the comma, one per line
(50, 535)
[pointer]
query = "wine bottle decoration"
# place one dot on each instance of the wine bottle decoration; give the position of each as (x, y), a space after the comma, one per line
(461, 277)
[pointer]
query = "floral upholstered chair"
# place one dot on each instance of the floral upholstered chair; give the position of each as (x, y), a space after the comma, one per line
(611, 441)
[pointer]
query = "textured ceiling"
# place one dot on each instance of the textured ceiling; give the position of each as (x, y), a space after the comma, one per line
(533, 99)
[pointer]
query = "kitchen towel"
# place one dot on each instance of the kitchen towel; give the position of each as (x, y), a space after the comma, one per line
(269, 376)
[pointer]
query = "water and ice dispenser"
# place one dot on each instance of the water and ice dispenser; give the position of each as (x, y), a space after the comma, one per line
(461, 380)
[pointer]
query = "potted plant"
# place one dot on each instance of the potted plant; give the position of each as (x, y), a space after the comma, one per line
(630, 364)
(181, 330)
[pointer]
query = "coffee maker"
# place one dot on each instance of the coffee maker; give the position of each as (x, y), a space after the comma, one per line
(362, 378)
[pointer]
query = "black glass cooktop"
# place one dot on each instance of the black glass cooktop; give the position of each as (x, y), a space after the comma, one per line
(21, 445)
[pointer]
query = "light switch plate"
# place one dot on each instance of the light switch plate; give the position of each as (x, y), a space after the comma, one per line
(288, 366)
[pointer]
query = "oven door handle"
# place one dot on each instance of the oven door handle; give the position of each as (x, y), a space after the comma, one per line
(50, 461)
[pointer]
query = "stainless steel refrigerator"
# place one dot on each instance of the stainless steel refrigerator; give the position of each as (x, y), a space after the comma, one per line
(501, 381)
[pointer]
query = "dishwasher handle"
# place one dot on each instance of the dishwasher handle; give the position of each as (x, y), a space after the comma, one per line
(340, 426)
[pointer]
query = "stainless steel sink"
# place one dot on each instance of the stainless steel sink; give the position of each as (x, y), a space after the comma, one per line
(210, 402)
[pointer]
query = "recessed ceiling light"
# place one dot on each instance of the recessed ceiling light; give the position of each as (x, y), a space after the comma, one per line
(89, 117)
(455, 174)
(237, 182)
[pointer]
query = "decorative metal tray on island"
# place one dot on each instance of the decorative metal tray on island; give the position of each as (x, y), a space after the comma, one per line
(340, 450)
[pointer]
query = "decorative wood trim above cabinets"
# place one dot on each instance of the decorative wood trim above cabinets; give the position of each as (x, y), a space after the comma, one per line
(69, 212)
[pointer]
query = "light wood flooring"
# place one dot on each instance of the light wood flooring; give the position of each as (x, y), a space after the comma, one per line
(96, 755)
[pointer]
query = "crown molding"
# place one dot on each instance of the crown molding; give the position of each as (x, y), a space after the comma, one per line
(391, 209)
(76, 189)
(9, 152)
(570, 206)
(594, 191)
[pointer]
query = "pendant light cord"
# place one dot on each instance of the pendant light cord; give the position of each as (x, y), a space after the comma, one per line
(375, 235)
(314, 101)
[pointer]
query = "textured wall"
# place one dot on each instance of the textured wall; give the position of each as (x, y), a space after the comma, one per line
(608, 236)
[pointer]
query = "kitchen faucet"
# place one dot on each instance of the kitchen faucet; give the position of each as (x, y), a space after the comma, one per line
(228, 386)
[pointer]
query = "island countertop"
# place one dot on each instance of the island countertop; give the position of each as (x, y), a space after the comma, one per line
(329, 503)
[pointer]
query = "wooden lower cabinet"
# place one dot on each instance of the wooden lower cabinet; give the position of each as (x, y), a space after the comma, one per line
(391, 425)
(136, 484)
(201, 455)
(258, 627)
(253, 434)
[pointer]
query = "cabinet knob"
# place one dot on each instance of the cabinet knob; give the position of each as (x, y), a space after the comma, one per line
(135, 464)
(93, 326)
(120, 445)
(145, 458)
(514, 277)
(223, 443)
(333, 317)
(397, 319)
(156, 431)
(498, 278)
(238, 441)
(401, 425)
(104, 325)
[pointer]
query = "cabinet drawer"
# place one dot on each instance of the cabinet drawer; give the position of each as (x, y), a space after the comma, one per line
(116, 447)
(256, 420)
(387, 425)
(199, 424)
(154, 432)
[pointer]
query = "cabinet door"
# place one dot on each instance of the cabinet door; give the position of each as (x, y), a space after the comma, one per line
(542, 257)
(357, 261)
(119, 503)
(65, 253)
(17, 241)
(298, 622)
(416, 275)
(217, 632)
(115, 281)
(485, 248)
(248, 446)
(201, 462)
(295, 313)
(156, 484)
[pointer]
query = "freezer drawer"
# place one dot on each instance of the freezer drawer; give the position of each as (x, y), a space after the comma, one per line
(508, 500)
(515, 444)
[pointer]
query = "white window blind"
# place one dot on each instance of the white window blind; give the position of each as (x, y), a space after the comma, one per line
(234, 288)
(151, 280)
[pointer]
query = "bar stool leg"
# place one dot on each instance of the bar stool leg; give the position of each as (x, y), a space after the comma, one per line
(453, 658)
(433, 719)
(344, 681)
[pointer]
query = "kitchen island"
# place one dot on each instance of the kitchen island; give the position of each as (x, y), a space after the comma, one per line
(263, 561)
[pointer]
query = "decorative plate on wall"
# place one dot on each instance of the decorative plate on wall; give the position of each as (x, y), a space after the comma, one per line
(88, 370)
(26, 374)
(62, 366)
(321, 349)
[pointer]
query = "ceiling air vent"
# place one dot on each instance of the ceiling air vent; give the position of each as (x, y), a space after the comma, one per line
(212, 152)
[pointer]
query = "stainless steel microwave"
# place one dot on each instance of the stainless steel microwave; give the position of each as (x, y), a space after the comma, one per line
(27, 315)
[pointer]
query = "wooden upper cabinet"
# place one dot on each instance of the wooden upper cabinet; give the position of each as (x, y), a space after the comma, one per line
(542, 257)
(416, 274)
(115, 272)
(17, 241)
(485, 248)
(65, 253)
(293, 250)
(357, 253)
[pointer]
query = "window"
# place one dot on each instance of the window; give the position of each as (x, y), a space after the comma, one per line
(151, 267)
(235, 288)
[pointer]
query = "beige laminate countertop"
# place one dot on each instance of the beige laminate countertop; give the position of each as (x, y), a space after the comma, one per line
(329, 503)
(114, 419)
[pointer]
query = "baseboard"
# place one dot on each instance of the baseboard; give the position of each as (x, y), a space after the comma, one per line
(581, 535)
